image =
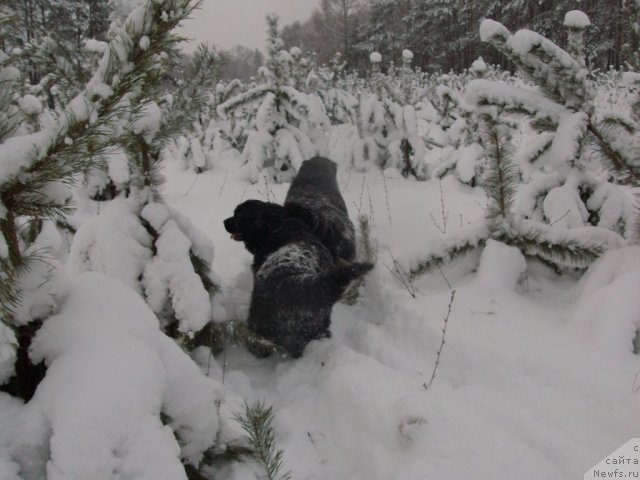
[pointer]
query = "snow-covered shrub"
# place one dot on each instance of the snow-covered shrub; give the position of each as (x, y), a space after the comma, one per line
(608, 304)
(210, 137)
(565, 214)
(461, 151)
(158, 253)
(327, 82)
(574, 136)
(288, 126)
(388, 127)
(37, 166)
(554, 245)
(120, 400)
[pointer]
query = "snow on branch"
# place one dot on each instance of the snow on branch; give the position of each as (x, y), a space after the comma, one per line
(119, 71)
(111, 375)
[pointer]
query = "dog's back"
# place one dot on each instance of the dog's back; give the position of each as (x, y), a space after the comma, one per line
(296, 287)
(293, 295)
(314, 197)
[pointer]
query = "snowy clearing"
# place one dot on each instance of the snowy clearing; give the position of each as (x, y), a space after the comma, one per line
(526, 388)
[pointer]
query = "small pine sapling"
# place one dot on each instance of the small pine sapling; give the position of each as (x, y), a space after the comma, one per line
(573, 133)
(388, 126)
(287, 125)
(37, 167)
(461, 151)
(327, 83)
(167, 259)
(560, 249)
(257, 421)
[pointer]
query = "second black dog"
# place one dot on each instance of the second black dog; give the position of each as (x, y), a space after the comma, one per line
(314, 197)
(296, 280)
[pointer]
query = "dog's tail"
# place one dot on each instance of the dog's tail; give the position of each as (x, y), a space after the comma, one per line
(342, 276)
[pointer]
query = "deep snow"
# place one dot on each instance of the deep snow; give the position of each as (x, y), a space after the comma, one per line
(537, 379)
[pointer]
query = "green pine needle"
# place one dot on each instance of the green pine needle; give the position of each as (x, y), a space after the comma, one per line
(257, 421)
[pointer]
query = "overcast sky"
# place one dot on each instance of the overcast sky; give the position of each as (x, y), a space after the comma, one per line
(226, 23)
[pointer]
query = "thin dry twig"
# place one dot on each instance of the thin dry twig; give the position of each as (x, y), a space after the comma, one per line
(386, 196)
(224, 182)
(442, 341)
(402, 275)
(444, 213)
(192, 185)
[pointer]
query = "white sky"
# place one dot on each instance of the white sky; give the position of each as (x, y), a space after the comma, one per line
(226, 23)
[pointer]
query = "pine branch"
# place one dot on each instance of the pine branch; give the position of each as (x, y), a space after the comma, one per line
(539, 241)
(554, 70)
(612, 153)
(257, 421)
(10, 117)
(191, 96)
(501, 176)
(463, 243)
(254, 95)
(10, 297)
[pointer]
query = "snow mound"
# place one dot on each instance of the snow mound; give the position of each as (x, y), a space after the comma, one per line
(501, 266)
(111, 374)
(114, 243)
(117, 243)
(608, 306)
(40, 299)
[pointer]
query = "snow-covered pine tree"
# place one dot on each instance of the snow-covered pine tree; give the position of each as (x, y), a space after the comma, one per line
(565, 215)
(327, 83)
(461, 151)
(161, 254)
(407, 149)
(48, 40)
(227, 137)
(103, 345)
(388, 126)
(575, 136)
(210, 138)
(136, 394)
(373, 125)
(287, 127)
(567, 92)
(37, 167)
(332, 87)
(559, 249)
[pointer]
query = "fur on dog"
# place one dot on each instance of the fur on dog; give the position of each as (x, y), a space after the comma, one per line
(296, 280)
(314, 197)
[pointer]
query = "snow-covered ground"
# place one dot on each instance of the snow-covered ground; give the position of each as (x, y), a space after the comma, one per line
(537, 379)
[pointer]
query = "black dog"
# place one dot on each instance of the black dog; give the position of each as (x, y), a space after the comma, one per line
(314, 198)
(296, 281)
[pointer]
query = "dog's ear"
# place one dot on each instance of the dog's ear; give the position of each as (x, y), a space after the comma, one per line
(268, 219)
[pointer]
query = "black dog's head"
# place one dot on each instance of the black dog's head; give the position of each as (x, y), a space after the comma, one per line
(253, 221)
(316, 171)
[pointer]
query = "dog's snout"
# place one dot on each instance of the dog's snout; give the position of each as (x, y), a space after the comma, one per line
(231, 225)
